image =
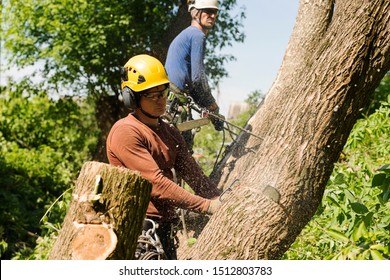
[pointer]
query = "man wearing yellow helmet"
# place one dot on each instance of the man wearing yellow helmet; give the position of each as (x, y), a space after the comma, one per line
(185, 58)
(142, 141)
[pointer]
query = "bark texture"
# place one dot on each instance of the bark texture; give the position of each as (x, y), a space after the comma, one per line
(337, 55)
(182, 21)
(105, 216)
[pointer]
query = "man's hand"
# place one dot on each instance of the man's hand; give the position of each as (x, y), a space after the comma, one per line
(215, 117)
(217, 121)
(215, 204)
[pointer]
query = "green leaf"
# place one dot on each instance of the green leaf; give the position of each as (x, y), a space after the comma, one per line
(378, 180)
(359, 232)
(359, 208)
(337, 235)
(376, 255)
(191, 241)
(379, 247)
(365, 255)
(44, 219)
(339, 179)
(368, 218)
(332, 200)
(349, 195)
(385, 195)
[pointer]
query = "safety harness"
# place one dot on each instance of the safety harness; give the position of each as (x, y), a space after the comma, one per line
(149, 245)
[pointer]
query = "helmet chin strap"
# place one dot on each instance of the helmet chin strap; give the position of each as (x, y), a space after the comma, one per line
(147, 114)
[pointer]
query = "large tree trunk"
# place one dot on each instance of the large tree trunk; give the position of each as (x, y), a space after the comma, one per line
(105, 216)
(182, 21)
(337, 55)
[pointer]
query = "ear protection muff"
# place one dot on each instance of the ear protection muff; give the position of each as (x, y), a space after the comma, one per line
(129, 98)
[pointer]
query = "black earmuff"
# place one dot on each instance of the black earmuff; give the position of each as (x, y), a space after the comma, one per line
(129, 98)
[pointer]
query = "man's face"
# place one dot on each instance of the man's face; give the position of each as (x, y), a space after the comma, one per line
(208, 17)
(154, 100)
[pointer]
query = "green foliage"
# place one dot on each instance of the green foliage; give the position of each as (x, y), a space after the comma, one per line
(81, 46)
(84, 43)
(209, 144)
(43, 145)
(381, 93)
(353, 221)
(92, 36)
(253, 100)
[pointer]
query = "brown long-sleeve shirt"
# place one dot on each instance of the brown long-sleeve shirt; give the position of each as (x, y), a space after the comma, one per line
(154, 152)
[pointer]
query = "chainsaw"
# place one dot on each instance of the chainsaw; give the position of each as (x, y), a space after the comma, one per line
(179, 113)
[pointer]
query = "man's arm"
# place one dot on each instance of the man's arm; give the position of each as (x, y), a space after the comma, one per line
(200, 90)
(193, 174)
(131, 150)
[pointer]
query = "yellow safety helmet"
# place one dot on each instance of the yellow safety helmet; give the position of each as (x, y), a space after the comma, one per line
(143, 72)
(140, 73)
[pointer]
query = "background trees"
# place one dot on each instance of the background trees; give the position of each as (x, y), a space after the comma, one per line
(85, 43)
(43, 145)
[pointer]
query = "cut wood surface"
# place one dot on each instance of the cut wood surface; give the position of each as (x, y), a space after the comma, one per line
(105, 215)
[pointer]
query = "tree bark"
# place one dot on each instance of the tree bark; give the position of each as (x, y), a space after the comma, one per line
(182, 21)
(105, 216)
(337, 55)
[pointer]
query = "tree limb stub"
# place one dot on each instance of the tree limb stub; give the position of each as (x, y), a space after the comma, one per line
(105, 216)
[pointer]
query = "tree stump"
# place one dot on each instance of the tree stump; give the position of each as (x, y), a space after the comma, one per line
(105, 215)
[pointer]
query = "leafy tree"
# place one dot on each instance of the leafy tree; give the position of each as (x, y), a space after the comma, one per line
(253, 100)
(85, 42)
(43, 145)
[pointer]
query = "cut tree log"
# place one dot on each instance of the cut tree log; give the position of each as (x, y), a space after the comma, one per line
(105, 215)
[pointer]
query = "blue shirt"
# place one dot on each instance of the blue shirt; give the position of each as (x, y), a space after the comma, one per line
(185, 65)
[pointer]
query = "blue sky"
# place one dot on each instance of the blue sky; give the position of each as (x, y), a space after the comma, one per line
(268, 26)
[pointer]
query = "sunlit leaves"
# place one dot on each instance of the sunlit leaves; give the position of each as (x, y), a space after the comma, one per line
(359, 208)
(43, 144)
(85, 43)
(337, 235)
(354, 221)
